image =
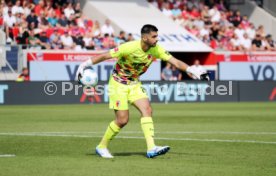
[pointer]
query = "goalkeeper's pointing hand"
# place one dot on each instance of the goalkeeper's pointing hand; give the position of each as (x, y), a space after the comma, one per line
(197, 74)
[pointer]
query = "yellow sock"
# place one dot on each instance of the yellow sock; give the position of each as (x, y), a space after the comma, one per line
(111, 131)
(148, 129)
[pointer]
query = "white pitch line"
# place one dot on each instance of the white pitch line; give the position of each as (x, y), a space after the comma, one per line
(163, 132)
(137, 137)
(7, 155)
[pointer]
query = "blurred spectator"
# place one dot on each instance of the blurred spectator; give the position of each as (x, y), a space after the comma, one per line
(33, 41)
(176, 11)
(9, 20)
(235, 43)
(260, 31)
(180, 21)
(214, 14)
(185, 14)
(63, 21)
(221, 5)
(68, 11)
(54, 35)
(15, 32)
(251, 31)
(270, 43)
(23, 34)
(81, 21)
(44, 40)
(121, 38)
(56, 43)
(17, 8)
(236, 18)
(52, 19)
(245, 23)
(257, 43)
(239, 31)
(48, 8)
(42, 19)
(192, 4)
(108, 41)
(66, 40)
(224, 22)
(24, 76)
(58, 10)
(166, 10)
(27, 7)
(78, 40)
(245, 42)
(205, 31)
(39, 8)
(176, 74)
(5, 9)
(107, 28)
(96, 29)
(215, 30)
(194, 13)
(199, 23)
(205, 13)
(19, 17)
(32, 18)
(167, 73)
(130, 37)
(88, 42)
(77, 10)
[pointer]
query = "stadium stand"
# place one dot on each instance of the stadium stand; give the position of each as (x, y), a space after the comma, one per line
(216, 25)
(54, 25)
(45, 24)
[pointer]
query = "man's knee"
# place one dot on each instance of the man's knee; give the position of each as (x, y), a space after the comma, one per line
(147, 111)
(122, 119)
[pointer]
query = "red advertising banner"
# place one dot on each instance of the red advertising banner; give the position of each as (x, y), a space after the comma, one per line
(61, 56)
(205, 58)
(214, 58)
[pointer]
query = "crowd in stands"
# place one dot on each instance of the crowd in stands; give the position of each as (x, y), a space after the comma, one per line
(56, 24)
(216, 25)
(60, 24)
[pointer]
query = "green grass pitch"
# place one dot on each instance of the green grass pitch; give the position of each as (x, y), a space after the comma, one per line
(206, 139)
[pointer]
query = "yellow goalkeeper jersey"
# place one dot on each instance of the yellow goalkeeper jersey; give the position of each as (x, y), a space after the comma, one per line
(133, 61)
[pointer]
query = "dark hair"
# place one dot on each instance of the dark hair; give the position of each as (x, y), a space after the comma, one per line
(147, 28)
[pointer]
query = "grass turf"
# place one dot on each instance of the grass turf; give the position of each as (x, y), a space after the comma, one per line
(210, 139)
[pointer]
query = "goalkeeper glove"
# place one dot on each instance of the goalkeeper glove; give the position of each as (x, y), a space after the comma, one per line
(198, 74)
(81, 68)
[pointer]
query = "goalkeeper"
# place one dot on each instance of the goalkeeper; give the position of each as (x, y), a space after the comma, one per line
(134, 58)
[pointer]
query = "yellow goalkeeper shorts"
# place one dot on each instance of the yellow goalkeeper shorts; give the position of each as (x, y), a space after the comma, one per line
(122, 94)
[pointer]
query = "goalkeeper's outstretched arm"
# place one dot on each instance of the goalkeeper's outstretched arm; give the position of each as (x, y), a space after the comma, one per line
(92, 61)
(178, 64)
(100, 58)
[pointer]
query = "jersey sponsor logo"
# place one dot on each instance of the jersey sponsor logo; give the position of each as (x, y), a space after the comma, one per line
(118, 103)
(116, 49)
